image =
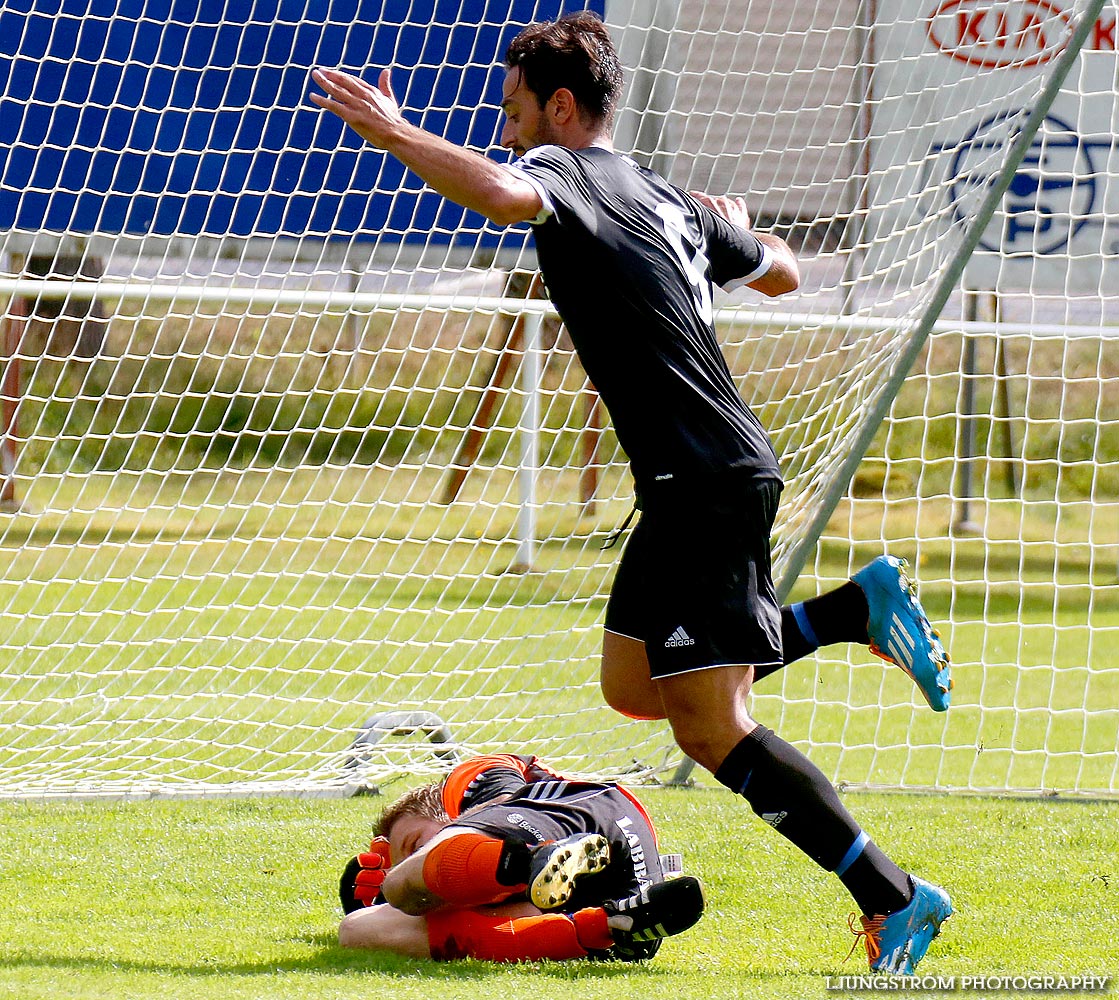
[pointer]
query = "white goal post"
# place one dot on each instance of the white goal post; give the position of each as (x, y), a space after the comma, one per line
(303, 491)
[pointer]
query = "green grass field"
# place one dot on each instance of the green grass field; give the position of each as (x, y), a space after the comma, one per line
(210, 628)
(236, 899)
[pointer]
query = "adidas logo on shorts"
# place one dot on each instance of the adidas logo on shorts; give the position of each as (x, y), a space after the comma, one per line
(679, 638)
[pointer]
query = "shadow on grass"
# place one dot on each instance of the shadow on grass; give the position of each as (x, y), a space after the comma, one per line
(333, 959)
(998, 581)
(94, 532)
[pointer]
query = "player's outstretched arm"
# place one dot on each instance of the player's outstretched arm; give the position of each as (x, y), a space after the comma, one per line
(784, 273)
(460, 175)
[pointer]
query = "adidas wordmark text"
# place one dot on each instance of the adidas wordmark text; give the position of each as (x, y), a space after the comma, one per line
(679, 638)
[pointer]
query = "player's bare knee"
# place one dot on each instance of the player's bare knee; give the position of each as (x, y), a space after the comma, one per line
(691, 735)
(708, 741)
(698, 746)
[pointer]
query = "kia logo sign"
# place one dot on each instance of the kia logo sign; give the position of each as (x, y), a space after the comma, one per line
(994, 34)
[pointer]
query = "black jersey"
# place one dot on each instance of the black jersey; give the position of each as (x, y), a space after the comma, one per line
(629, 261)
(519, 798)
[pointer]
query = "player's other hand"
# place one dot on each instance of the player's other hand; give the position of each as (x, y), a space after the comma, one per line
(734, 210)
(372, 112)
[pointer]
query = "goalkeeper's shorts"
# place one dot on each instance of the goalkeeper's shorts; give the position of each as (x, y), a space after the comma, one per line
(695, 582)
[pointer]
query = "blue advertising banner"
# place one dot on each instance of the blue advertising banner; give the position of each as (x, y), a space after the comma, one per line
(191, 117)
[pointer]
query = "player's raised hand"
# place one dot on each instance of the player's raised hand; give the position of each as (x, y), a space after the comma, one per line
(734, 210)
(372, 112)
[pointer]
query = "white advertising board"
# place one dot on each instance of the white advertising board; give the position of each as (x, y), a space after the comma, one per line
(951, 81)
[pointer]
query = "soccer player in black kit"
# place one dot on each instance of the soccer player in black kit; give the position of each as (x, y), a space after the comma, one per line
(629, 262)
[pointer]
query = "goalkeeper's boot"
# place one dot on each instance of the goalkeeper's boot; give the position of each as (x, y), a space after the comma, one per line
(897, 942)
(555, 867)
(900, 631)
(657, 911)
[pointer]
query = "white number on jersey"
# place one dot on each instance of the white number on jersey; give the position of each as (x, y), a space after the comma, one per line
(691, 249)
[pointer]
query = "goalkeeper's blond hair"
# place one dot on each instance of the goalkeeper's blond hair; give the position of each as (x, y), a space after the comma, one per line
(425, 801)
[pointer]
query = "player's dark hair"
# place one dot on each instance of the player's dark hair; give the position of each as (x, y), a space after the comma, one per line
(425, 801)
(575, 53)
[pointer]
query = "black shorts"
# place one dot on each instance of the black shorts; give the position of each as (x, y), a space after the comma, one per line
(695, 582)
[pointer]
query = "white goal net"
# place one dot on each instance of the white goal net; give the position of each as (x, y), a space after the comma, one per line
(294, 455)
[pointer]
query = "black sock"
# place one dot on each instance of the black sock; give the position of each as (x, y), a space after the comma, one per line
(840, 615)
(793, 796)
(837, 616)
(794, 645)
(876, 883)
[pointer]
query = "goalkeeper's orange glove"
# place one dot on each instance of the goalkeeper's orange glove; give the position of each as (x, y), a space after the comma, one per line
(375, 865)
(364, 875)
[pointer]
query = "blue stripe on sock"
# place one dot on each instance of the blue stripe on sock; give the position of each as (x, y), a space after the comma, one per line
(749, 775)
(804, 624)
(852, 853)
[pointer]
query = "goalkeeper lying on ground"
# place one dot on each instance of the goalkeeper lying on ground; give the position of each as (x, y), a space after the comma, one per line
(442, 896)
(508, 861)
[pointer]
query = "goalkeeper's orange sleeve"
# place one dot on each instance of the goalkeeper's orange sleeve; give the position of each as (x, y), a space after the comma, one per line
(459, 780)
(455, 934)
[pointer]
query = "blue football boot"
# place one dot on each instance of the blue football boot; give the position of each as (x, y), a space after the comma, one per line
(900, 631)
(897, 942)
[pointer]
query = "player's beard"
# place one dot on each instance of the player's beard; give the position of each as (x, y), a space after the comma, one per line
(543, 135)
